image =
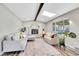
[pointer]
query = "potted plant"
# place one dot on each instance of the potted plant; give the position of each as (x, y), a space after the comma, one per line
(69, 34)
(65, 35)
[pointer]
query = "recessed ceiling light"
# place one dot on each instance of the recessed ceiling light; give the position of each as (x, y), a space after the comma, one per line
(48, 14)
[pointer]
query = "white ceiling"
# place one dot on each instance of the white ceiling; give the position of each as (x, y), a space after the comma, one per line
(57, 8)
(27, 11)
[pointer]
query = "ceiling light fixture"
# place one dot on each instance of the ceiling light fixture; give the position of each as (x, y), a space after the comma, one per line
(48, 14)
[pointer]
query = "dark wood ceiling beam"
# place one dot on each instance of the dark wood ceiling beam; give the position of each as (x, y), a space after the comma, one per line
(39, 9)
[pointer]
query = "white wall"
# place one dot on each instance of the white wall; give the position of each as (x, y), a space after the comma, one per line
(74, 26)
(33, 25)
(8, 22)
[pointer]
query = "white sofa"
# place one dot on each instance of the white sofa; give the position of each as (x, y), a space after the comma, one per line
(14, 44)
(33, 36)
(49, 40)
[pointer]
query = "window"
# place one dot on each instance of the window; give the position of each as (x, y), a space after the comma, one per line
(61, 26)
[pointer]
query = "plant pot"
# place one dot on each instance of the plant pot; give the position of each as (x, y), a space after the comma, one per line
(62, 42)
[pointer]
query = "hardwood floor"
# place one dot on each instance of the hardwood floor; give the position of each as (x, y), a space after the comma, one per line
(67, 51)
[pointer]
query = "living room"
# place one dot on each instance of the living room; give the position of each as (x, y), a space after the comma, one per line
(27, 27)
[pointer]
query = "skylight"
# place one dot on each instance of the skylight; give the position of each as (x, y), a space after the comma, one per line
(48, 14)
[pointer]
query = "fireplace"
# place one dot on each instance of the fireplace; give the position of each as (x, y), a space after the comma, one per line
(34, 31)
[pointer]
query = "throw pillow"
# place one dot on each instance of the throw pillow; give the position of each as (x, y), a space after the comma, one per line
(8, 37)
(16, 36)
(53, 36)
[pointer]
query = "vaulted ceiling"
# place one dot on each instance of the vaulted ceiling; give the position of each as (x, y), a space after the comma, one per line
(28, 11)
